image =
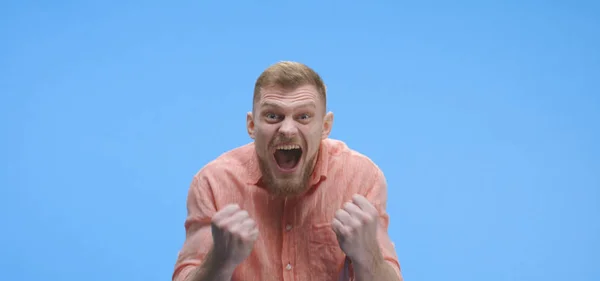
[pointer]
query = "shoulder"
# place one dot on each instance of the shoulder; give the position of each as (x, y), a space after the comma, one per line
(233, 164)
(358, 171)
(342, 156)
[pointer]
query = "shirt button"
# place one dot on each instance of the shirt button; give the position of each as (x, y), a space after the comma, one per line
(288, 267)
(288, 227)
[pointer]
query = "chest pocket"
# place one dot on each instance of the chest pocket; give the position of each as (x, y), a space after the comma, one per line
(326, 259)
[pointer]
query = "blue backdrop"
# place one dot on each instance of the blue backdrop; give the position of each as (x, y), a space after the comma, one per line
(484, 116)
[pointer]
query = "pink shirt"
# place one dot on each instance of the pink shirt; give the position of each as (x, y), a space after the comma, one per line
(296, 241)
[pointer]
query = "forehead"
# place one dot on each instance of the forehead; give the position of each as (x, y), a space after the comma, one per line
(302, 96)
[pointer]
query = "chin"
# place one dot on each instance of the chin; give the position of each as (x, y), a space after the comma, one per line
(287, 184)
(287, 188)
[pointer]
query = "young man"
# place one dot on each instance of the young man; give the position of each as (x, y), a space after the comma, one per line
(291, 205)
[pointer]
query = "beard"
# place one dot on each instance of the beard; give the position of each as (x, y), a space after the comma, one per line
(287, 186)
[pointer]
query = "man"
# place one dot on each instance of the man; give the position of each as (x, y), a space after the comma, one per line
(293, 204)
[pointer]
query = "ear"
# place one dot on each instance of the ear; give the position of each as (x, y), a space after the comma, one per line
(250, 124)
(327, 124)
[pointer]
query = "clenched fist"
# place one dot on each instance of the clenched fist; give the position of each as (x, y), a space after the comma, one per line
(234, 234)
(355, 225)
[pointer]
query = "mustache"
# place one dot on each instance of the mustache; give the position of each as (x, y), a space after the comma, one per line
(285, 140)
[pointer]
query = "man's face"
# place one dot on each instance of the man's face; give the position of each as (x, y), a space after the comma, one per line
(287, 127)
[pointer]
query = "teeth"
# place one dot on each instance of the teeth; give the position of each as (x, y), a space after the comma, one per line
(288, 147)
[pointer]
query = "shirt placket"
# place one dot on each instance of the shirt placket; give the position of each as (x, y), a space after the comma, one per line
(288, 257)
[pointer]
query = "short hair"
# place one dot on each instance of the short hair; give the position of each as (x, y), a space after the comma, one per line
(289, 75)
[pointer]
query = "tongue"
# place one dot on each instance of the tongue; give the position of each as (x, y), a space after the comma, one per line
(286, 159)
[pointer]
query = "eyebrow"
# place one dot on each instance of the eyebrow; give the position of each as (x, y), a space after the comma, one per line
(277, 105)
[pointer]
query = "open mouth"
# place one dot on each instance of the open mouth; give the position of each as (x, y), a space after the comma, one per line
(287, 157)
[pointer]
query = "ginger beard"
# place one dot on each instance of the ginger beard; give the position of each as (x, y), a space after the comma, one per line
(286, 170)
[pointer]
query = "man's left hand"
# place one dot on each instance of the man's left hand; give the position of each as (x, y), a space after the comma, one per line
(355, 225)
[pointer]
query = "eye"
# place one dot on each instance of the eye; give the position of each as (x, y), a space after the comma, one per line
(304, 116)
(271, 116)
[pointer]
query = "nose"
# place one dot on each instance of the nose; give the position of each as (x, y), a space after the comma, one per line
(288, 128)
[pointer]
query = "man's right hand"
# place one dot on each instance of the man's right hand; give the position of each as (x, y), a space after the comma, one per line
(234, 234)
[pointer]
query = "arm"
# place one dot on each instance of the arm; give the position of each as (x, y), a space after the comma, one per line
(195, 261)
(378, 270)
(384, 265)
(211, 269)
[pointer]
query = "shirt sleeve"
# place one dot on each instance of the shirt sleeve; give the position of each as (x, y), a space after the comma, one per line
(378, 197)
(198, 237)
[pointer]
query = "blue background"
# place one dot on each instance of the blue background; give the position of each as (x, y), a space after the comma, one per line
(484, 115)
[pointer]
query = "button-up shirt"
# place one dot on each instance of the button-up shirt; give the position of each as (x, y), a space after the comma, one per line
(296, 241)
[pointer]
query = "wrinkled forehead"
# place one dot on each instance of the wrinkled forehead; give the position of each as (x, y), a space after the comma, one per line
(302, 96)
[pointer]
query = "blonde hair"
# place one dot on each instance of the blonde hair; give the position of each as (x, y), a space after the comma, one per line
(289, 75)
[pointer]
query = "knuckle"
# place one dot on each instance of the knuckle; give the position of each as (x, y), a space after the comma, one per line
(235, 230)
(227, 228)
(249, 237)
(368, 218)
(246, 237)
(218, 224)
(243, 214)
(348, 233)
(374, 215)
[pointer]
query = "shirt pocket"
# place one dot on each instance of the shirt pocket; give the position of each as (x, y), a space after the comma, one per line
(326, 259)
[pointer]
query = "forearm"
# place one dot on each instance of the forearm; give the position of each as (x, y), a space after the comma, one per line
(379, 270)
(212, 269)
